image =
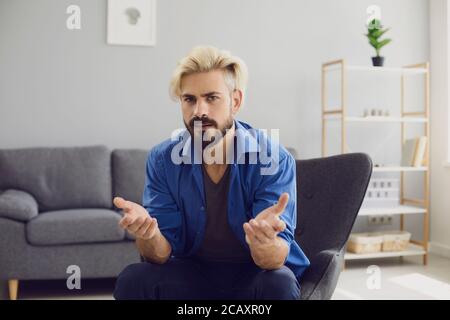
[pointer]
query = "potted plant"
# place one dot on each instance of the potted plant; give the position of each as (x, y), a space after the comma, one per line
(374, 31)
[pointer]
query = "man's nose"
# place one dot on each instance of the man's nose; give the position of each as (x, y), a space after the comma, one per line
(201, 109)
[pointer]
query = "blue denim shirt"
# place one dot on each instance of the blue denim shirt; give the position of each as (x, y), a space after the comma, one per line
(174, 192)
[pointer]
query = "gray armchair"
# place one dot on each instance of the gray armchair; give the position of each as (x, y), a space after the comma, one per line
(330, 192)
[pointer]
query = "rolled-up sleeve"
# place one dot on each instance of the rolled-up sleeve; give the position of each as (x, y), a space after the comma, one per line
(160, 204)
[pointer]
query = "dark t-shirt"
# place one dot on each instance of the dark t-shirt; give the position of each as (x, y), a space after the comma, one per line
(220, 243)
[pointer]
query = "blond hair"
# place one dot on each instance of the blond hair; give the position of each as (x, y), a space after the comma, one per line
(207, 58)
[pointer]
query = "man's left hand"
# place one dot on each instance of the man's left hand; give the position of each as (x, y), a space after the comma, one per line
(265, 227)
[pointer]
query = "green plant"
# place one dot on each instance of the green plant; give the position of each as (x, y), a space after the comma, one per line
(374, 31)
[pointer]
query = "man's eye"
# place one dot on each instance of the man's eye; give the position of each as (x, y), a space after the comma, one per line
(188, 99)
(212, 98)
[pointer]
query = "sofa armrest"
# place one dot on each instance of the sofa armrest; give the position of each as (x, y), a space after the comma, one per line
(320, 279)
(18, 205)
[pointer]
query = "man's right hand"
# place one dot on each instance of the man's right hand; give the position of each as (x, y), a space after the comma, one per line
(136, 220)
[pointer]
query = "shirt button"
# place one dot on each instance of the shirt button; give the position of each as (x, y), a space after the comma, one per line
(202, 208)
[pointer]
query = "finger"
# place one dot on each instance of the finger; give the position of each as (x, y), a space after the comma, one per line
(123, 204)
(267, 230)
(271, 219)
(133, 227)
(280, 226)
(143, 228)
(151, 229)
(126, 221)
(119, 202)
(281, 204)
(258, 233)
(250, 234)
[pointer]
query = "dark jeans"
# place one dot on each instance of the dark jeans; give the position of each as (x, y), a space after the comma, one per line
(192, 279)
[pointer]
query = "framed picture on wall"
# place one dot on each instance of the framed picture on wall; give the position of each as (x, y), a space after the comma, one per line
(131, 22)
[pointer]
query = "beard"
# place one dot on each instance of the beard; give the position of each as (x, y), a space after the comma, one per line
(212, 131)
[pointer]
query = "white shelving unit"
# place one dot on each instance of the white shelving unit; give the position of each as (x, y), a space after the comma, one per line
(407, 206)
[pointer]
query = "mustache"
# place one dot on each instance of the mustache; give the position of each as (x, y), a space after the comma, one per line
(203, 120)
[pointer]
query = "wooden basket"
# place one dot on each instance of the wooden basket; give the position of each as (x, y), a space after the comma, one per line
(365, 242)
(395, 240)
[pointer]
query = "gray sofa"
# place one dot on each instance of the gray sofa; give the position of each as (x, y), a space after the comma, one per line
(56, 210)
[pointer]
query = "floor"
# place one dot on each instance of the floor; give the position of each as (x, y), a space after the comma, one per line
(394, 278)
(91, 289)
(370, 279)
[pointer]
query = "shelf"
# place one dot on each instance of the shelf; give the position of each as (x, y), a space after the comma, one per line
(400, 209)
(387, 70)
(413, 250)
(379, 119)
(386, 119)
(398, 169)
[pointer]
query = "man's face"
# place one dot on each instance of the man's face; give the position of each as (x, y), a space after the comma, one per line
(205, 97)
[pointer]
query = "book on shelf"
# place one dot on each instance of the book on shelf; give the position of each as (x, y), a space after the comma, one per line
(413, 152)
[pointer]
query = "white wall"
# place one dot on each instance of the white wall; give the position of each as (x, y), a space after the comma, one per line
(440, 174)
(64, 88)
(61, 87)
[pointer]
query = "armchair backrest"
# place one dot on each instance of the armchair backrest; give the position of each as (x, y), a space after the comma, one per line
(330, 192)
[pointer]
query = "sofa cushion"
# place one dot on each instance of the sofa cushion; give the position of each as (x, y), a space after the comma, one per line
(128, 173)
(74, 226)
(17, 205)
(59, 178)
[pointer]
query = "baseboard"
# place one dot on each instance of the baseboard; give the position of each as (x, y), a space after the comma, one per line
(439, 249)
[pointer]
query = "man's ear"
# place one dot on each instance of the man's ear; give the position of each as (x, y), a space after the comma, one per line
(236, 100)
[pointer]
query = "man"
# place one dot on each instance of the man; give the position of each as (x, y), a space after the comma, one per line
(221, 227)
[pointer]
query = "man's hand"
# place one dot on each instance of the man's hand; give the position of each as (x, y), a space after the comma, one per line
(267, 249)
(136, 220)
(267, 224)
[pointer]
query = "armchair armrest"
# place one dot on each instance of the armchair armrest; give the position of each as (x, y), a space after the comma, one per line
(18, 205)
(320, 279)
